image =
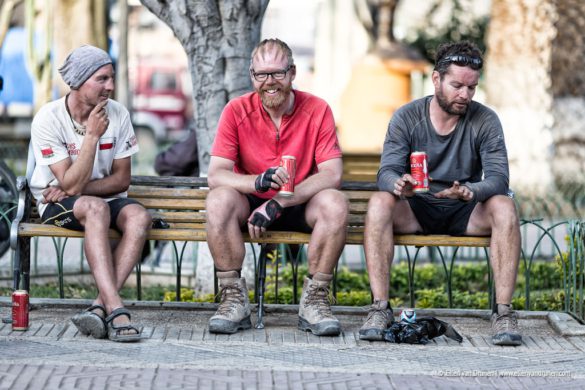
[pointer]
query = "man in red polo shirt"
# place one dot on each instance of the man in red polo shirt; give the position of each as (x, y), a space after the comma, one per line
(254, 132)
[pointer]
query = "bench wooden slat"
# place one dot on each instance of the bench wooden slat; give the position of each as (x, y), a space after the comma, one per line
(197, 233)
(164, 192)
(172, 204)
(178, 216)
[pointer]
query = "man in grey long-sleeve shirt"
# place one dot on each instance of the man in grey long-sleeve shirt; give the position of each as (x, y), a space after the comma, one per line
(468, 167)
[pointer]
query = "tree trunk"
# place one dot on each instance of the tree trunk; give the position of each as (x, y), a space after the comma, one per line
(77, 22)
(218, 37)
(122, 83)
(536, 51)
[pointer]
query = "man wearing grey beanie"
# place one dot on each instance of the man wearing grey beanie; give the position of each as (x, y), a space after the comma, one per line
(83, 143)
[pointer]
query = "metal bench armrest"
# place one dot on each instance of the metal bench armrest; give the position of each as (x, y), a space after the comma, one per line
(23, 211)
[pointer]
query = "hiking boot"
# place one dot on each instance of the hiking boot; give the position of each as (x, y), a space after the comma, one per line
(314, 310)
(505, 326)
(233, 312)
(380, 316)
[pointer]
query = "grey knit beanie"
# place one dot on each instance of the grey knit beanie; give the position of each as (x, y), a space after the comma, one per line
(81, 63)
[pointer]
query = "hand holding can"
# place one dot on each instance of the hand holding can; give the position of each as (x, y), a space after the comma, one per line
(290, 164)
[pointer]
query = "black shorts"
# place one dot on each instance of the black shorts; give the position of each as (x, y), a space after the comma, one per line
(441, 216)
(292, 218)
(61, 213)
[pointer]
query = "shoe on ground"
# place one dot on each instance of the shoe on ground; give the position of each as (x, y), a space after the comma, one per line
(315, 310)
(379, 318)
(505, 327)
(233, 313)
(89, 322)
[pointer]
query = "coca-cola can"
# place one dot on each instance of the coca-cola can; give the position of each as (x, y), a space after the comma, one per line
(20, 310)
(290, 164)
(419, 171)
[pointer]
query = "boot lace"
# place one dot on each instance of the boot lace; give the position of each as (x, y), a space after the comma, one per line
(507, 323)
(377, 318)
(231, 297)
(318, 297)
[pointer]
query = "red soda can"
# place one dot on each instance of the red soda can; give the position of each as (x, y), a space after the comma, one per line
(20, 310)
(290, 164)
(419, 171)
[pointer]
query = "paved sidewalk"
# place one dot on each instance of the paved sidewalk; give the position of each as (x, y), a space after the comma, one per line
(179, 353)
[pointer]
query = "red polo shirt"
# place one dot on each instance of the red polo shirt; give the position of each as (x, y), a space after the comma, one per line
(247, 136)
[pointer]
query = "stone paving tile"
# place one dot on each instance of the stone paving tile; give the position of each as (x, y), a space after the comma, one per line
(181, 353)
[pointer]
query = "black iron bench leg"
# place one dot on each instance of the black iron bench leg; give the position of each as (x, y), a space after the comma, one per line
(260, 285)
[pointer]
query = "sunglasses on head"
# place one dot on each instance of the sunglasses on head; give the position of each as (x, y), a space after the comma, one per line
(461, 60)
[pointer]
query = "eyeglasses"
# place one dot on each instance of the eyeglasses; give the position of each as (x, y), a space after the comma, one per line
(263, 76)
(461, 61)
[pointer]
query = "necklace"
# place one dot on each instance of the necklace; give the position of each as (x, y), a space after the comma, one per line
(78, 128)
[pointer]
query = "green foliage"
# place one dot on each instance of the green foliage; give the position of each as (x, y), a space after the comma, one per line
(459, 26)
(469, 287)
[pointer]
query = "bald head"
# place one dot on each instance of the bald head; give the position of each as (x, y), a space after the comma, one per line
(274, 49)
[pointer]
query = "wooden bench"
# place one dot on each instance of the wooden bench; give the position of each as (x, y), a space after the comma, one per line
(180, 202)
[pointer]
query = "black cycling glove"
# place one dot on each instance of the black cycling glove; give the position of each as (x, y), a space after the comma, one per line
(273, 211)
(264, 180)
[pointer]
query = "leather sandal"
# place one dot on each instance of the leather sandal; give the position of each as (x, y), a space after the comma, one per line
(90, 323)
(114, 331)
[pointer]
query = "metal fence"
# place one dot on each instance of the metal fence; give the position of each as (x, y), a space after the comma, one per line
(547, 234)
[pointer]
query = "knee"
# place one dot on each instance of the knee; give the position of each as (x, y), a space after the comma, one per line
(92, 209)
(333, 205)
(141, 219)
(221, 204)
(380, 206)
(503, 212)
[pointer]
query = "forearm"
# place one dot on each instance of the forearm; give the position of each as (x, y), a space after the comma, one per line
(109, 185)
(485, 189)
(386, 180)
(225, 178)
(78, 174)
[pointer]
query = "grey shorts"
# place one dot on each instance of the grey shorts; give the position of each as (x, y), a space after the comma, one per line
(61, 213)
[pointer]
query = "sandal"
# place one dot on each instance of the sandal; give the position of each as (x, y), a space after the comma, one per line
(90, 323)
(114, 330)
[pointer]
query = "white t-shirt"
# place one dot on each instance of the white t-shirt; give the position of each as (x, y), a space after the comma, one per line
(54, 139)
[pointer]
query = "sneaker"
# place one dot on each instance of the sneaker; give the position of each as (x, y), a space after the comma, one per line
(314, 310)
(505, 327)
(233, 312)
(380, 316)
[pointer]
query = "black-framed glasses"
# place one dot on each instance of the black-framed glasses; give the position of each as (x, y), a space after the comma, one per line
(277, 75)
(461, 61)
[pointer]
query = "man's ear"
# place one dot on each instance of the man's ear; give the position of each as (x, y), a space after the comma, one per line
(436, 78)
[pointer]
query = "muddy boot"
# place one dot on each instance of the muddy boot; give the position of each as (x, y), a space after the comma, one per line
(380, 316)
(505, 327)
(233, 312)
(314, 310)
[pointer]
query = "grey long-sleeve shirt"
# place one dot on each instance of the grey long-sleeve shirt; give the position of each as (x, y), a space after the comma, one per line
(473, 154)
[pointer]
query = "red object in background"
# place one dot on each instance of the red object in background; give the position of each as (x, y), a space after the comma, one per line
(290, 164)
(159, 91)
(20, 310)
(419, 171)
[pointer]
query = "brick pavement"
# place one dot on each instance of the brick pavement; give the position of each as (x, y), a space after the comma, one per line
(179, 353)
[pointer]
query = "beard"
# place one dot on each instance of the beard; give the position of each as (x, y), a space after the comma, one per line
(449, 107)
(277, 100)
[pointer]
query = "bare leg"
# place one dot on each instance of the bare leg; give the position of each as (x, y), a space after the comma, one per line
(386, 214)
(94, 214)
(326, 213)
(227, 210)
(134, 222)
(498, 216)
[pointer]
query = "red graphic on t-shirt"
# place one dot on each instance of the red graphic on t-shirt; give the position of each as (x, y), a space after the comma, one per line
(47, 151)
(106, 143)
